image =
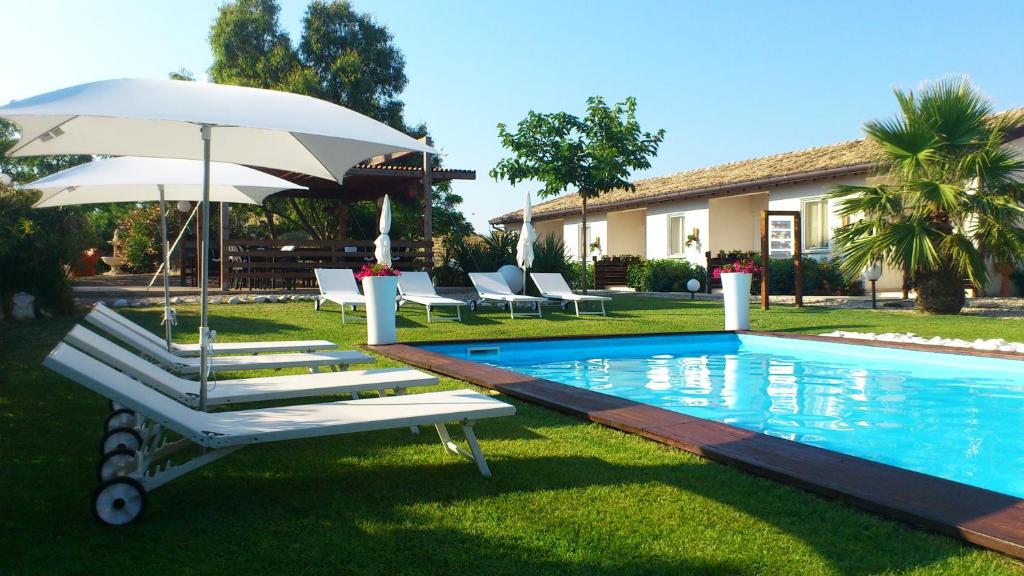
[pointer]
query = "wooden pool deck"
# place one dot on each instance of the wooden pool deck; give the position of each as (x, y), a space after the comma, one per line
(982, 517)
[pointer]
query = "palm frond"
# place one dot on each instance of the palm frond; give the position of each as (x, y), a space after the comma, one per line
(965, 257)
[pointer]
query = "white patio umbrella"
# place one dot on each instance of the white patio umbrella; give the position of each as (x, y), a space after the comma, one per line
(132, 179)
(212, 122)
(382, 252)
(527, 236)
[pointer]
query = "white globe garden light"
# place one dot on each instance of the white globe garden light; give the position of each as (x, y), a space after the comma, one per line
(184, 206)
(873, 272)
(692, 285)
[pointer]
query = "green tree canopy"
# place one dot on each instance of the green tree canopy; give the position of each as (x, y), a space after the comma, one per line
(950, 196)
(591, 155)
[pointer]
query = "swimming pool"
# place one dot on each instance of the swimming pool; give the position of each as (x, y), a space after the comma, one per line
(954, 416)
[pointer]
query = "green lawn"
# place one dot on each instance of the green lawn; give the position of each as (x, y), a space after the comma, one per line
(567, 497)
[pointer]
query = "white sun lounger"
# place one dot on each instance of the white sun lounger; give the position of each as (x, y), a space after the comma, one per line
(155, 352)
(416, 287)
(238, 391)
(492, 287)
(554, 287)
(130, 474)
(219, 347)
(338, 285)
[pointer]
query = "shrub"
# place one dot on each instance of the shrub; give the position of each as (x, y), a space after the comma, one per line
(821, 278)
(667, 275)
(140, 238)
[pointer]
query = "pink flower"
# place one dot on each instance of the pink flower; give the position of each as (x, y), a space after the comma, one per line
(375, 270)
(741, 267)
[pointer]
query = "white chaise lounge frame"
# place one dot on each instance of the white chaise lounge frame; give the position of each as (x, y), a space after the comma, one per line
(334, 360)
(221, 433)
(554, 287)
(491, 286)
(338, 285)
(416, 287)
(218, 347)
(245, 390)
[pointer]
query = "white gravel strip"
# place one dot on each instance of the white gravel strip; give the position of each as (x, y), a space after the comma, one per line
(994, 344)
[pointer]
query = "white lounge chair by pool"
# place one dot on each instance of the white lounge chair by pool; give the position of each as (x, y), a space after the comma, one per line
(219, 347)
(492, 287)
(121, 498)
(338, 285)
(416, 287)
(553, 286)
(157, 353)
(239, 391)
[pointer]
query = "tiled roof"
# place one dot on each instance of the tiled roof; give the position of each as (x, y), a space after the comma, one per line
(854, 156)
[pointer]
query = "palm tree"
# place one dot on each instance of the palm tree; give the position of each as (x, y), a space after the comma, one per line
(950, 197)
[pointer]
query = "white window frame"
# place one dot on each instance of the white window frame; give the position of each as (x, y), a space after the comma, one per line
(682, 231)
(825, 214)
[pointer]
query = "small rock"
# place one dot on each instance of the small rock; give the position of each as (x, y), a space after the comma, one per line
(271, 298)
(234, 300)
(259, 299)
(175, 300)
(119, 303)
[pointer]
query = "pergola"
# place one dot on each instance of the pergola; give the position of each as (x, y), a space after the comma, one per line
(274, 259)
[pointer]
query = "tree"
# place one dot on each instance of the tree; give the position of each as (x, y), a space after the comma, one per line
(950, 198)
(592, 155)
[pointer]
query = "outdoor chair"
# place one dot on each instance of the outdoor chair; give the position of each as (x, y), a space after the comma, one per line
(416, 287)
(492, 287)
(334, 360)
(121, 498)
(338, 285)
(218, 347)
(554, 287)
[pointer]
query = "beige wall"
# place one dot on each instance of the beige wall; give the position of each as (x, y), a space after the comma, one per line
(627, 233)
(545, 227)
(695, 215)
(735, 222)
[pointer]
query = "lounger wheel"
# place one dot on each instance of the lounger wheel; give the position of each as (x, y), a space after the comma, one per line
(563, 305)
(534, 306)
(119, 501)
(120, 418)
(119, 462)
(121, 438)
(472, 305)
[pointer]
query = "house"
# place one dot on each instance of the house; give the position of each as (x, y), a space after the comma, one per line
(716, 209)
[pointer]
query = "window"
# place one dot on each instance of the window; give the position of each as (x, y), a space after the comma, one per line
(676, 235)
(814, 221)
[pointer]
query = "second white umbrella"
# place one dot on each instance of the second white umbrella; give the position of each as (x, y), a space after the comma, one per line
(382, 252)
(527, 236)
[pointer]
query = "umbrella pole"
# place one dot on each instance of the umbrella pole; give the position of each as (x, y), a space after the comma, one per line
(204, 272)
(166, 266)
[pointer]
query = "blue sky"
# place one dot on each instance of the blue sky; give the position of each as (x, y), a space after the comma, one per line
(726, 80)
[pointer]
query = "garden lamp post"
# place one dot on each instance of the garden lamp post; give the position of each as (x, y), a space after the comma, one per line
(873, 272)
(692, 285)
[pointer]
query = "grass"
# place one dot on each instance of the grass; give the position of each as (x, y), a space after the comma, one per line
(567, 497)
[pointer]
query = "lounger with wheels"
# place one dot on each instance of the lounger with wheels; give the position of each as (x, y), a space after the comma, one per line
(220, 347)
(131, 474)
(244, 390)
(554, 287)
(416, 287)
(338, 285)
(335, 360)
(492, 287)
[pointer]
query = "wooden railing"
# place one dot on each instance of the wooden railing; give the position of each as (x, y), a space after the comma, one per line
(289, 264)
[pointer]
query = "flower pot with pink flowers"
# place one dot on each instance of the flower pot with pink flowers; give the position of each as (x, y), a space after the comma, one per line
(380, 286)
(736, 278)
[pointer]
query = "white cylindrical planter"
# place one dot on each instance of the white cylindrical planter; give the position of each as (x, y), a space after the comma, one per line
(380, 292)
(736, 288)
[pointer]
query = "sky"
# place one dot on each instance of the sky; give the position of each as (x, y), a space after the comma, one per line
(726, 80)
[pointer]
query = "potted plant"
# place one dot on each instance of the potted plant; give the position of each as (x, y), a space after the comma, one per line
(736, 277)
(380, 286)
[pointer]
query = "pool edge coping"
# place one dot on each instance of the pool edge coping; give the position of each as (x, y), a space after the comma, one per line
(975, 515)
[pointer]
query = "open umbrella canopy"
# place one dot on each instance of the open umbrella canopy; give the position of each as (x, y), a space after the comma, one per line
(161, 118)
(383, 242)
(131, 179)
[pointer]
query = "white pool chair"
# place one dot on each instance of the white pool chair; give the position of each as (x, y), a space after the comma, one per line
(554, 287)
(492, 287)
(219, 347)
(339, 359)
(416, 287)
(338, 285)
(239, 391)
(133, 473)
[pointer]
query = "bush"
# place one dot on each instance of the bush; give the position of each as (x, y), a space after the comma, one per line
(667, 275)
(140, 238)
(37, 248)
(574, 275)
(821, 278)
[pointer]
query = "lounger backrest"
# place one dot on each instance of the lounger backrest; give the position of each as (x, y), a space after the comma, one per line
(336, 280)
(117, 330)
(118, 317)
(123, 360)
(551, 283)
(109, 383)
(489, 283)
(416, 284)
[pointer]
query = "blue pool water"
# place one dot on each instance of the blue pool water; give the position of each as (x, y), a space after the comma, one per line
(954, 416)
